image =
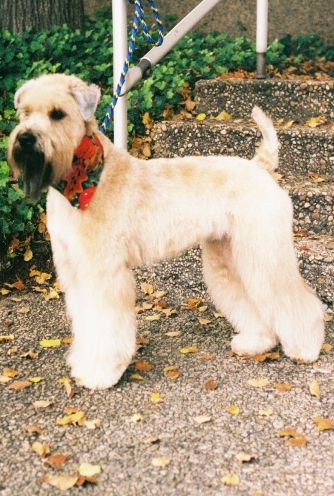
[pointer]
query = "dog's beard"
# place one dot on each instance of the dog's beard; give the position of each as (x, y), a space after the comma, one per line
(35, 170)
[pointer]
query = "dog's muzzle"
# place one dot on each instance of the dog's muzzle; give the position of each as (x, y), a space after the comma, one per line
(30, 159)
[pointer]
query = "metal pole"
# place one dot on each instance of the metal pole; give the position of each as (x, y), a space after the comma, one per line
(120, 44)
(261, 37)
(152, 57)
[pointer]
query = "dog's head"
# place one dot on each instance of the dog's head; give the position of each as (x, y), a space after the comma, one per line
(55, 112)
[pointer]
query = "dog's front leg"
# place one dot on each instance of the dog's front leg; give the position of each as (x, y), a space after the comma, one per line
(104, 326)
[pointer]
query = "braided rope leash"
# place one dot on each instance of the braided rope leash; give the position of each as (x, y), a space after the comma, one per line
(138, 20)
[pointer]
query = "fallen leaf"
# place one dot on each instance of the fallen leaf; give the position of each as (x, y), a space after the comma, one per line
(72, 418)
(218, 315)
(156, 398)
(265, 413)
(202, 419)
(35, 429)
(161, 461)
(57, 460)
(137, 417)
(29, 354)
(152, 318)
(326, 347)
(143, 366)
(68, 340)
(297, 442)
(91, 424)
(243, 457)
(19, 285)
(51, 295)
(50, 343)
(42, 403)
(7, 372)
(207, 356)
(267, 356)
(231, 480)
(324, 424)
(259, 383)
(201, 117)
(172, 372)
(5, 338)
(283, 388)
(35, 380)
(146, 288)
(211, 385)
(203, 321)
(40, 277)
(193, 303)
(62, 482)
(173, 334)
(4, 379)
(137, 377)
(23, 310)
(189, 349)
(89, 470)
(203, 308)
(82, 481)
(28, 255)
(42, 449)
(4, 291)
(314, 388)
(19, 385)
(233, 410)
(315, 121)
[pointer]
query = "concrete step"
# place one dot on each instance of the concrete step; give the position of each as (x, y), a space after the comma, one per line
(310, 186)
(315, 256)
(303, 149)
(281, 99)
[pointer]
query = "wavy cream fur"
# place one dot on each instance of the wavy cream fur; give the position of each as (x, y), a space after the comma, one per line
(145, 211)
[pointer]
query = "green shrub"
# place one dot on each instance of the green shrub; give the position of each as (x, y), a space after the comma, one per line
(88, 54)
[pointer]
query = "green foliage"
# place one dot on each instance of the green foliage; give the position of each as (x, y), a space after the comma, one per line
(88, 54)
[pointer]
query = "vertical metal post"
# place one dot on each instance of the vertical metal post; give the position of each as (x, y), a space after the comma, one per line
(261, 37)
(120, 44)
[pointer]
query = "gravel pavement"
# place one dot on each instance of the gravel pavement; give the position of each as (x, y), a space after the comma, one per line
(189, 443)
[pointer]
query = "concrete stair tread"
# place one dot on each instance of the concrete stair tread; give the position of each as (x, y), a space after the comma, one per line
(281, 98)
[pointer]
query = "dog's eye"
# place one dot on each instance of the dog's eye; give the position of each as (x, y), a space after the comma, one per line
(57, 114)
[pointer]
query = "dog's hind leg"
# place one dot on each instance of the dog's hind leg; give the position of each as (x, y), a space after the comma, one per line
(230, 297)
(264, 257)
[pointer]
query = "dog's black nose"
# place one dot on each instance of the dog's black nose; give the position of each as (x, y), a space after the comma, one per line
(27, 139)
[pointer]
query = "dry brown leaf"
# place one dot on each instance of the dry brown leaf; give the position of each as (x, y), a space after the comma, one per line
(91, 424)
(326, 347)
(23, 310)
(203, 321)
(7, 372)
(193, 303)
(173, 334)
(203, 308)
(143, 366)
(172, 372)
(283, 388)
(152, 318)
(57, 460)
(314, 388)
(19, 285)
(29, 354)
(146, 288)
(211, 385)
(267, 356)
(207, 356)
(5, 338)
(324, 424)
(231, 480)
(297, 442)
(35, 429)
(62, 482)
(42, 449)
(190, 104)
(20, 385)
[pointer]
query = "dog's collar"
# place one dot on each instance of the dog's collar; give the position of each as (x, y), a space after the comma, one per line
(80, 185)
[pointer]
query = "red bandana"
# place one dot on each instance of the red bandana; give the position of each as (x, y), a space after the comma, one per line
(88, 158)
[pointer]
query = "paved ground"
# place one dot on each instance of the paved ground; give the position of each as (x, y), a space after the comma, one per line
(137, 434)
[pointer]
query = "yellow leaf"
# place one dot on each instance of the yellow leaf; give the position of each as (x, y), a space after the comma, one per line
(259, 383)
(52, 295)
(35, 380)
(50, 343)
(189, 349)
(156, 398)
(68, 340)
(73, 418)
(315, 121)
(327, 347)
(223, 116)
(324, 424)
(42, 449)
(233, 410)
(146, 288)
(231, 480)
(201, 117)
(146, 119)
(314, 388)
(62, 482)
(161, 461)
(4, 291)
(10, 372)
(137, 377)
(193, 303)
(89, 470)
(28, 255)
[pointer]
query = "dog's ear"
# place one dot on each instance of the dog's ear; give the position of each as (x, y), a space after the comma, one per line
(87, 97)
(26, 86)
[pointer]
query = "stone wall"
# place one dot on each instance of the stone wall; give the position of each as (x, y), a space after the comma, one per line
(237, 17)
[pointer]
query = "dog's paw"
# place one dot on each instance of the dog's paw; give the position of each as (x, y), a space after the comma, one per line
(97, 374)
(250, 344)
(300, 355)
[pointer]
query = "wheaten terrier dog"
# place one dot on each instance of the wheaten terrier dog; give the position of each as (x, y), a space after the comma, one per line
(144, 211)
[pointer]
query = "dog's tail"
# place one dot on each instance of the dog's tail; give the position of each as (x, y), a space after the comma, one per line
(267, 153)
